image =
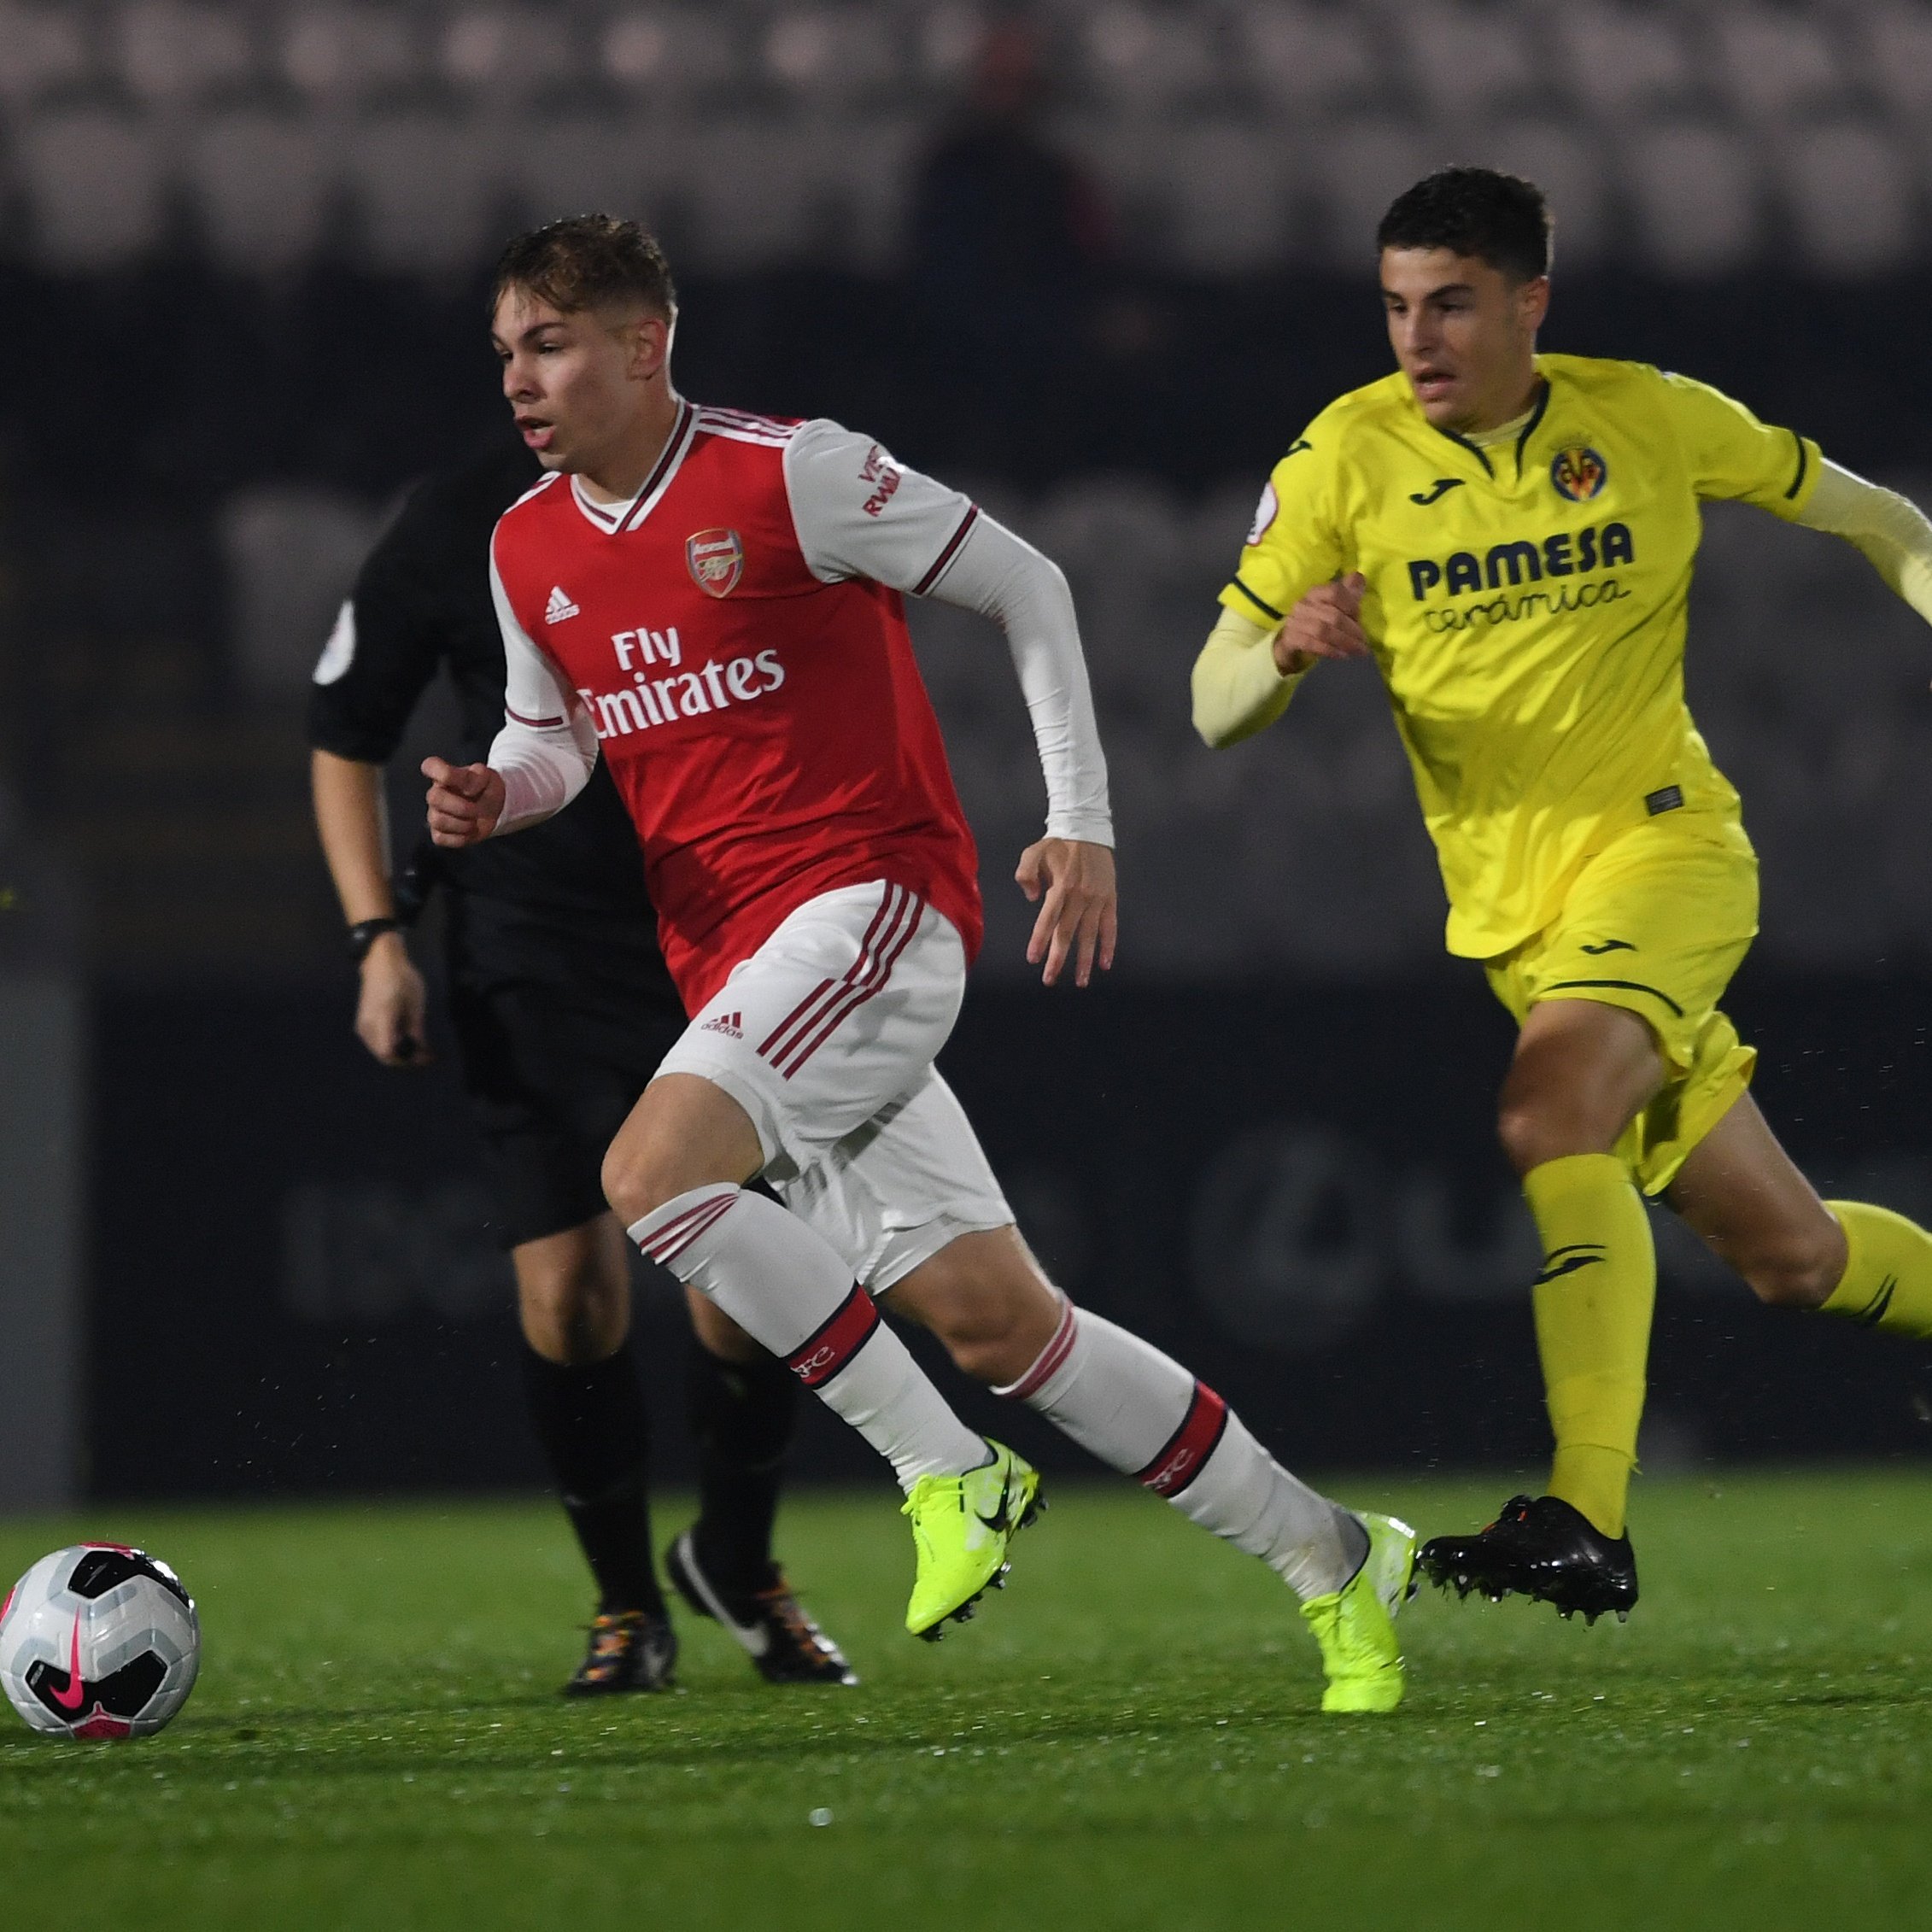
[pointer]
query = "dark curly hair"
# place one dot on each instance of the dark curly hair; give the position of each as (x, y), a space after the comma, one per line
(587, 262)
(1499, 218)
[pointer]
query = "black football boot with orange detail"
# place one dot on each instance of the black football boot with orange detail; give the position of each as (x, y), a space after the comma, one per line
(1540, 1547)
(628, 1650)
(773, 1628)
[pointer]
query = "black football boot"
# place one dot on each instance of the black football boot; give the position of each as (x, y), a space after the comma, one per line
(1540, 1547)
(774, 1629)
(630, 1650)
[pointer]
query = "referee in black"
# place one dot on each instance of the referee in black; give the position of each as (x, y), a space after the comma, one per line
(561, 1008)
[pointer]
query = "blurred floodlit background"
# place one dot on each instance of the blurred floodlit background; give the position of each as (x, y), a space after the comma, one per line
(1098, 263)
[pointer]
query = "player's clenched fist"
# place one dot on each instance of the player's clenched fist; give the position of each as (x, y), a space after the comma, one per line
(465, 801)
(1326, 623)
(1080, 912)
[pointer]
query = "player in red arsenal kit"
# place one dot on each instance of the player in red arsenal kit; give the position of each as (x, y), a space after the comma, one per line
(712, 602)
(754, 694)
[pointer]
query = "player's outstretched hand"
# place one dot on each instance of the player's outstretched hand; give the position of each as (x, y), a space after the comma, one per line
(1326, 623)
(465, 802)
(1079, 913)
(390, 1010)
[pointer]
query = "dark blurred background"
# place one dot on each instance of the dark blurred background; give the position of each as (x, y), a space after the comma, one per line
(1098, 263)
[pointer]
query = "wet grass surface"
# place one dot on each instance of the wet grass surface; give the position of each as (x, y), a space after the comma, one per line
(1129, 1737)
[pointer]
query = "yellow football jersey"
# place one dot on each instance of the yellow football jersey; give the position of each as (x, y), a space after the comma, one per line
(1527, 606)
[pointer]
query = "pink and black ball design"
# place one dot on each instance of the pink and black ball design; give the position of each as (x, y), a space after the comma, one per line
(98, 1641)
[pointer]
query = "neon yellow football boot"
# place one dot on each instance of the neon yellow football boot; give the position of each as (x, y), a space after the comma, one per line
(961, 1527)
(1355, 1625)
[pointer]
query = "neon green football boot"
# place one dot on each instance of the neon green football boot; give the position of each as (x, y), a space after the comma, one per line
(961, 1527)
(1355, 1625)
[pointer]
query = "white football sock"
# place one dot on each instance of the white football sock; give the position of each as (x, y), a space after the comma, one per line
(785, 1286)
(1140, 1411)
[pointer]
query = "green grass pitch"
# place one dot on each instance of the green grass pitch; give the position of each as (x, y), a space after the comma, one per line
(1129, 1737)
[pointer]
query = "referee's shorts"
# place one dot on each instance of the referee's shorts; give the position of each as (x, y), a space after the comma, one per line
(560, 1020)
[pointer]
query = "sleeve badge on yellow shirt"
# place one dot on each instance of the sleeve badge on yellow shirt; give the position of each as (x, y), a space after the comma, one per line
(1265, 512)
(1578, 472)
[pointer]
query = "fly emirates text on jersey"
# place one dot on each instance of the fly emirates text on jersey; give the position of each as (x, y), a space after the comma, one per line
(649, 701)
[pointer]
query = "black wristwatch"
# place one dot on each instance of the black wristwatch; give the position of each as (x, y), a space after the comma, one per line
(364, 932)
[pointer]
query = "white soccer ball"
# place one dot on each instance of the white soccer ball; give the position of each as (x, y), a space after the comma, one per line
(99, 1641)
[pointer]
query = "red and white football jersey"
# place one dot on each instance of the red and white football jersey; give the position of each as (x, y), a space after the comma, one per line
(736, 635)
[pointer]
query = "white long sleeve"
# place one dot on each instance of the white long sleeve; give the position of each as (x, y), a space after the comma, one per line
(1891, 530)
(541, 771)
(858, 512)
(1025, 593)
(548, 748)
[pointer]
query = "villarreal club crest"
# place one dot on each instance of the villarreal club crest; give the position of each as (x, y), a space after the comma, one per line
(1578, 472)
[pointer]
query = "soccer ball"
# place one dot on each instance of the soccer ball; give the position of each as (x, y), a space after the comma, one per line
(99, 1641)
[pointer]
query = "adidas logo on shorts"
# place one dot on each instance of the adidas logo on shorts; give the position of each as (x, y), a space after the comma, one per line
(558, 607)
(729, 1023)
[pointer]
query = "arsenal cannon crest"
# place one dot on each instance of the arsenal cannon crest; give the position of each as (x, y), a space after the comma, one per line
(717, 560)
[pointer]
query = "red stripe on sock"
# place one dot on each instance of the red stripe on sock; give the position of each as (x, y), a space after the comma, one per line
(822, 1355)
(1051, 1358)
(676, 1235)
(1190, 1446)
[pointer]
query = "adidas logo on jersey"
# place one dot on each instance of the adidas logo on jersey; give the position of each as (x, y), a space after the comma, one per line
(558, 607)
(731, 1024)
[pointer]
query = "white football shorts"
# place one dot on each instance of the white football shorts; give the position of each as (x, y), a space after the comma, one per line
(826, 1037)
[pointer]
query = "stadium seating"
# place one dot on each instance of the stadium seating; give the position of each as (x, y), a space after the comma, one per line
(1249, 130)
(1696, 196)
(94, 181)
(424, 187)
(1848, 185)
(262, 187)
(329, 54)
(1618, 62)
(174, 53)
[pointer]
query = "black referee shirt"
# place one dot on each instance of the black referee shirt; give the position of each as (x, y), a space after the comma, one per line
(421, 601)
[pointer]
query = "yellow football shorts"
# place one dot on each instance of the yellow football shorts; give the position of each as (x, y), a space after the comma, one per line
(1656, 922)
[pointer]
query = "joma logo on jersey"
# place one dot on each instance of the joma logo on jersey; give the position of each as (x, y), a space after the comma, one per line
(1568, 553)
(694, 693)
(1578, 472)
(716, 559)
(648, 647)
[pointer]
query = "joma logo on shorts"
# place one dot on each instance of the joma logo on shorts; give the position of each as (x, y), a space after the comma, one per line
(1568, 553)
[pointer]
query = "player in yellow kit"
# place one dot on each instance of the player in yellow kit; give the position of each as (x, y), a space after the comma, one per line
(1510, 537)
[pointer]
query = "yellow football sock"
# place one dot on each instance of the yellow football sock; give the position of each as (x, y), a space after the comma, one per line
(1593, 1302)
(1888, 1273)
